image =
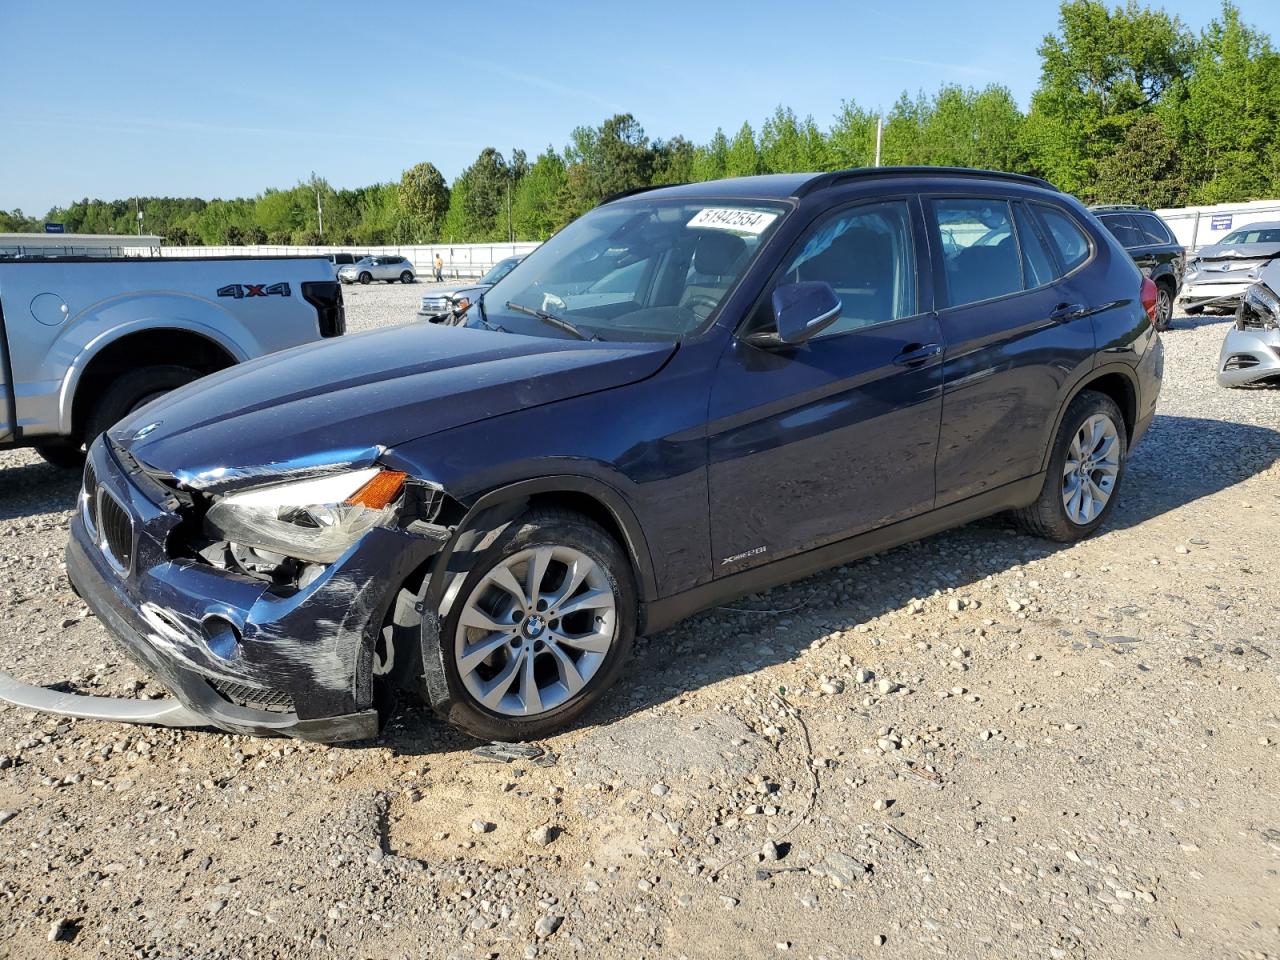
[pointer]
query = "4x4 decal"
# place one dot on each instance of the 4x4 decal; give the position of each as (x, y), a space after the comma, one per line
(242, 290)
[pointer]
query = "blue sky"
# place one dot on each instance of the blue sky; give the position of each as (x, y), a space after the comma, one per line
(224, 99)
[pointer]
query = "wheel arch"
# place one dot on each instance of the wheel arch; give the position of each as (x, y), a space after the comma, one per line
(1118, 381)
(138, 347)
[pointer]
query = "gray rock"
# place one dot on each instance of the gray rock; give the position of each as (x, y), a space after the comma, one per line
(547, 925)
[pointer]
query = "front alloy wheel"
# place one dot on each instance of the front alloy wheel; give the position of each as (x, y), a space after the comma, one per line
(535, 630)
(540, 628)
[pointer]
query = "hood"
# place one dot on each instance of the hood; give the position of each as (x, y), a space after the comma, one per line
(318, 403)
(1238, 251)
(437, 292)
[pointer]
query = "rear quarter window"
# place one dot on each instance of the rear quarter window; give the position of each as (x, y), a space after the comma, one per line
(1067, 237)
(1153, 228)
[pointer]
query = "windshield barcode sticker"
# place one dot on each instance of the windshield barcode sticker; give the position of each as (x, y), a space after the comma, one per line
(754, 222)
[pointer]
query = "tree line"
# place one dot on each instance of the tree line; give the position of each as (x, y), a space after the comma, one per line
(1131, 107)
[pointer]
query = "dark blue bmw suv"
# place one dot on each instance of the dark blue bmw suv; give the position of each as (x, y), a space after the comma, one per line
(689, 393)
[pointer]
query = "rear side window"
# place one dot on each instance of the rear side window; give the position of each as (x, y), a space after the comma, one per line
(865, 254)
(979, 251)
(1037, 264)
(1124, 229)
(1072, 244)
(1153, 228)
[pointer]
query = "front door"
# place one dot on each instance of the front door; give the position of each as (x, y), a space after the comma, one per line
(814, 443)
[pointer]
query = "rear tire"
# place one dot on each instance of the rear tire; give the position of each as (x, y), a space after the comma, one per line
(596, 638)
(1164, 307)
(131, 391)
(1085, 469)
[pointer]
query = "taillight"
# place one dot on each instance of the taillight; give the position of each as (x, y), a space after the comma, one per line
(1150, 297)
(326, 297)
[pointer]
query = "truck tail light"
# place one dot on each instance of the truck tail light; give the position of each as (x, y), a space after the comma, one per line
(326, 297)
(1150, 297)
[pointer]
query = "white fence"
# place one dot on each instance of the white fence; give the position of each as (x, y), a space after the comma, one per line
(460, 259)
(1196, 227)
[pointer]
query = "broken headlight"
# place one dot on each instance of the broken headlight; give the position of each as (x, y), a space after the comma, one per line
(1260, 307)
(313, 520)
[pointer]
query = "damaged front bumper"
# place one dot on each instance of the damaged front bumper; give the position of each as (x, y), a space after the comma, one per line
(1217, 295)
(237, 653)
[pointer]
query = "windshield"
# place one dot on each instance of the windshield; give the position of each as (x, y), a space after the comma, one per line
(499, 270)
(644, 269)
(1264, 235)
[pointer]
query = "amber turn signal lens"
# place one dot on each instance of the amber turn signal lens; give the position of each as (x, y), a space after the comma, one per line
(379, 491)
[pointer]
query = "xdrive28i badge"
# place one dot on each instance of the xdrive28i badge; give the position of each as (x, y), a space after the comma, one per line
(242, 290)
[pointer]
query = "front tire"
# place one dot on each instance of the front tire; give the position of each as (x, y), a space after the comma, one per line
(131, 391)
(64, 454)
(365, 277)
(1085, 470)
(541, 627)
(406, 277)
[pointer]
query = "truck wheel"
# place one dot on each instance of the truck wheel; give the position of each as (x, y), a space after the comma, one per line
(62, 453)
(365, 277)
(406, 277)
(539, 630)
(131, 391)
(1193, 311)
(1085, 470)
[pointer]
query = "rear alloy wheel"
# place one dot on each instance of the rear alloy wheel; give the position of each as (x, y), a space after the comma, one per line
(1084, 472)
(365, 277)
(406, 277)
(539, 630)
(1164, 307)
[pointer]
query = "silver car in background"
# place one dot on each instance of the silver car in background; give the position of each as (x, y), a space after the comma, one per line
(1218, 275)
(386, 267)
(435, 305)
(1250, 354)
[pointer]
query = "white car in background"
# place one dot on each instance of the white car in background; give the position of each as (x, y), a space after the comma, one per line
(1250, 354)
(386, 267)
(436, 304)
(1218, 275)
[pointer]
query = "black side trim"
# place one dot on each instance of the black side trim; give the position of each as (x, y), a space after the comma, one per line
(661, 614)
(839, 177)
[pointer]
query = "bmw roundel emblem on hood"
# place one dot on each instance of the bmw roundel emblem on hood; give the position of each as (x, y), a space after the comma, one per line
(147, 429)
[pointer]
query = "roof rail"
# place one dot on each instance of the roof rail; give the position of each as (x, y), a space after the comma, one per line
(823, 181)
(621, 194)
(1118, 206)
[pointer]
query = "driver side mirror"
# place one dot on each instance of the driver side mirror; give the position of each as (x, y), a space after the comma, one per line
(800, 311)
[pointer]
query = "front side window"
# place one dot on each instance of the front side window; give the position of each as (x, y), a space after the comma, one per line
(1072, 244)
(636, 269)
(1255, 235)
(865, 254)
(979, 252)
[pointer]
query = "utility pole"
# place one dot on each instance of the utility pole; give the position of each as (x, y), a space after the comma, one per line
(879, 135)
(510, 233)
(137, 205)
(320, 213)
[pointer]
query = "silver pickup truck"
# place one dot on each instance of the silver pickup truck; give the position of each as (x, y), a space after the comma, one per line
(84, 341)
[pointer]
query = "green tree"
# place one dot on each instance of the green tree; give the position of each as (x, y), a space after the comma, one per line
(711, 161)
(852, 142)
(424, 198)
(535, 207)
(1103, 66)
(743, 157)
(1146, 168)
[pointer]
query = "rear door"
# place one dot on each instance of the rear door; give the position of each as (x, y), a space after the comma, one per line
(1016, 327)
(814, 443)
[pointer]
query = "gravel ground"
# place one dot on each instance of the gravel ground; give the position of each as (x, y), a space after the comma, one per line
(981, 745)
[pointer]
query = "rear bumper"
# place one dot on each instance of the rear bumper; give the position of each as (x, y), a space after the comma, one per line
(301, 664)
(1249, 357)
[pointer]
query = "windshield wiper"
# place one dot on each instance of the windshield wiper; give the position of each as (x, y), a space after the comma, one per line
(551, 320)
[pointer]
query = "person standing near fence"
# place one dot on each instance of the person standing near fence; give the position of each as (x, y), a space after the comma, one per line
(439, 268)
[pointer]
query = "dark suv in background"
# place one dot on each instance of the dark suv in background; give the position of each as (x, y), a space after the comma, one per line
(688, 394)
(1154, 249)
